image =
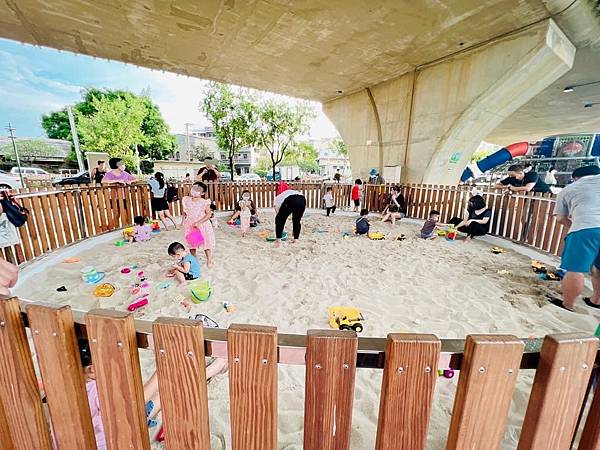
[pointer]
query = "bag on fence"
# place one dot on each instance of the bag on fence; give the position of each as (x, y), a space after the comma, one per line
(17, 214)
(172, 194)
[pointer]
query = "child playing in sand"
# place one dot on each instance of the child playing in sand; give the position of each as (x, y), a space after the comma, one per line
(197, 212)
(142, 232)
(362, 224)
(187, 268)
(245, 213)
(355, 195)
(328, 201)
(431, 225)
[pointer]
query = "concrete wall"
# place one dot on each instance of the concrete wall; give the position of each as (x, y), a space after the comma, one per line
(431, 120)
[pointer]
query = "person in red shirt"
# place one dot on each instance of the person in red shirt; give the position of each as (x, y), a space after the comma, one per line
(356, 194)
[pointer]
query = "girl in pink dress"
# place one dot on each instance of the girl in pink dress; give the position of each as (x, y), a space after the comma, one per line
(197, 215)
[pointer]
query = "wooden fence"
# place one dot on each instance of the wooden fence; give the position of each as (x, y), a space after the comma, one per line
(488, 364)
(62, 217)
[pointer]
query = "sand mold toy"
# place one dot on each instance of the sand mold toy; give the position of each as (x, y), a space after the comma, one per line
(104, 290)
(201, 291)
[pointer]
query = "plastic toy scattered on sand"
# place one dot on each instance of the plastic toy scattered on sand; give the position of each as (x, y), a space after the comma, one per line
(229, 307)
(61, 289)
(497, 250)
(504, 272)
(163, 285)
(345, 318)
(128, 232)
(538, 267)
(263, 234)
(137, 304)
(376, 236)
(201, 291)
(400, 237)
(104, 290)
(446, 373)
(206, 321)
(71, 260)
(126, 270)
(90, 275)
(120, 243)
(550, 276)
(440, 232)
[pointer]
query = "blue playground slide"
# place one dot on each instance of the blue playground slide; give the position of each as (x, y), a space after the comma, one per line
(495, 159)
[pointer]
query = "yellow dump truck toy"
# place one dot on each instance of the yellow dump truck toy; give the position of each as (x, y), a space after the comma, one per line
(345, 318)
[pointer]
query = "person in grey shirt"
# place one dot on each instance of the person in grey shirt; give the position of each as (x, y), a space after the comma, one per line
(578, 208)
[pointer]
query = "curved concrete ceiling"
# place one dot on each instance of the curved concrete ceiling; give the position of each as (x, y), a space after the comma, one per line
(312, 49)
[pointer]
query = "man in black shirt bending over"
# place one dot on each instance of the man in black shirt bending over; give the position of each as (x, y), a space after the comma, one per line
(519, 181)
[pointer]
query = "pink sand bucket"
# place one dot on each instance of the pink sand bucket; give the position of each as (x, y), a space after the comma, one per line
(137, 304)
(194, 238)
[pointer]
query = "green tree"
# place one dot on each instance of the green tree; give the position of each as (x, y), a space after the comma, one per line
(157, 143)
(28, 149)
(278, 127)
(340, 147)
(115, 128)
(304, 155)
(200, 151)
(231, 114)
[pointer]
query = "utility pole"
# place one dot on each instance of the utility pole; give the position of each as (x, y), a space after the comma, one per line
(11, 130)
(187, 140)
(75, 139)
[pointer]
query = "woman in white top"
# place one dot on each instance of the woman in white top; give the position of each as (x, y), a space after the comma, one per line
(158, 200)
(289, 202)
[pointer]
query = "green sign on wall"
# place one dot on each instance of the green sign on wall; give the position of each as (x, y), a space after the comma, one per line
(455, 158)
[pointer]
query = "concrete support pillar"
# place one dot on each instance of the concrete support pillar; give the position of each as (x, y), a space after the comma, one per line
(430, 121)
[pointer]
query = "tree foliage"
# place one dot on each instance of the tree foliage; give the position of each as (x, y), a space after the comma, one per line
(30, 148)
(200, 151)
(156, 141)
(115, 128)
(340, 147)
(231, 113)
(304, 155)
(278, 127)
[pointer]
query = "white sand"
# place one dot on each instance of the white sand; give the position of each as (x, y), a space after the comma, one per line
(450, 289)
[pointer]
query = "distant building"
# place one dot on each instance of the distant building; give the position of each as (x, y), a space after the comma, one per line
(50, 154)
(330, 161)
(195, 143)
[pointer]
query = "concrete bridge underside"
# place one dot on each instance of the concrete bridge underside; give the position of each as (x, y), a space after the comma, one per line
(409, 83)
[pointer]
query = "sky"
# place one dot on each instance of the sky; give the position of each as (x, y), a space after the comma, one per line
(35, 81)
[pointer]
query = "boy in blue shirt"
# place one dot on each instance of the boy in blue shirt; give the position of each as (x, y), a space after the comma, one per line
(188, 267)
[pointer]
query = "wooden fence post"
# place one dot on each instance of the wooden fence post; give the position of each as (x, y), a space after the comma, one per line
(409, 378)
(590, 437)
(19, 391)
(486, 384)
(558, 390)
(329, 391)
(252, 355)
(116, 363)
(179, 347)
(57, 351)
(5, 439)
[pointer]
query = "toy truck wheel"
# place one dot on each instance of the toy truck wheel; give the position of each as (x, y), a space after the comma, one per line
(357, 327)
(344, 327)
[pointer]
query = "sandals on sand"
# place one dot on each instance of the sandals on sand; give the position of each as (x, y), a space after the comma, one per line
(557, 302)
(588, 301)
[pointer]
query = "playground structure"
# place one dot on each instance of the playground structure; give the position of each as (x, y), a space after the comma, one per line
(564, 152)
(488, 364)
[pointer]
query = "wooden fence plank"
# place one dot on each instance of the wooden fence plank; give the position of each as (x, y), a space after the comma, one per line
(485, 388)
(252, 354)
(330, 374)
(179, 346)
(73, 206)
(57, 351)
(559, 387)
(590, 437)
(117, 366)
(409, 378)
(5, 439)
(41, 222)
(64, 217)
(96, 213)
(19, 392)
(60, 240)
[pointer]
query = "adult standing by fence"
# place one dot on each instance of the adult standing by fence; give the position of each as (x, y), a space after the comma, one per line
(578, 209)
(117, 174)
(289, 202)
(520, 181)
(98, 173)
(158, 199)
(208, 173)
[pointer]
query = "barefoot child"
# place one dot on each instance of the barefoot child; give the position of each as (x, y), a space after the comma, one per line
(362, 224)
(142, 232)
(328, 201)
(197, 211)
(187, 268)
(431, 225)
(245, 213)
